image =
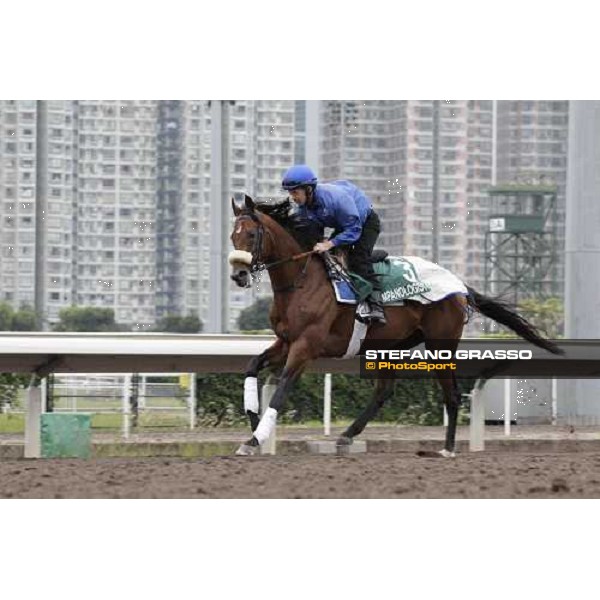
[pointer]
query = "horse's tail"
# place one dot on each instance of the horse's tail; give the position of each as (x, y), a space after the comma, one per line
(502, 312)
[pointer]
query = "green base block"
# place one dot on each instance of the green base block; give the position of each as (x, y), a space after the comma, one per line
(66, 436)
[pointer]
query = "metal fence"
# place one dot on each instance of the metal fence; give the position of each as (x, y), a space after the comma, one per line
(148, 400)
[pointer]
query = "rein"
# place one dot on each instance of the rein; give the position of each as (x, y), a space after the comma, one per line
(271, 265)
(257, 265)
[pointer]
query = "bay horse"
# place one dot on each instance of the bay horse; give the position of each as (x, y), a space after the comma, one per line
(309, 323)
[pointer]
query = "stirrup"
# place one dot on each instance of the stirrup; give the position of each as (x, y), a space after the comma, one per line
(371, 319)
(377, 316)
(363, 312)
(377, 319)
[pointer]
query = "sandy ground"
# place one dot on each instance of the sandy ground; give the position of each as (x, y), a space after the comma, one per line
(386, 475)
(375, 431)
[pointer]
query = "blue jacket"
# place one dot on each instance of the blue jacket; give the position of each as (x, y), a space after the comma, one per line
(341, 205)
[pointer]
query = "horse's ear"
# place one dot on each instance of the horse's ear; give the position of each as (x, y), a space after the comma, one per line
(236, 209)
(249, 202)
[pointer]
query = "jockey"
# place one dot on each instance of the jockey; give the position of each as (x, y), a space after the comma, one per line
(343, 206)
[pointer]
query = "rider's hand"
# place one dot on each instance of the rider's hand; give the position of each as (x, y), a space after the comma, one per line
(323, 246)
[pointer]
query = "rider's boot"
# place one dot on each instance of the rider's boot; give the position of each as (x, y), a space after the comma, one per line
(376, 316)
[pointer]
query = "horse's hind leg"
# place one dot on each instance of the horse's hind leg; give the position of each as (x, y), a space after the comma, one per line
(384, 388)
(452, 401)
(452, 398)
(442, 327)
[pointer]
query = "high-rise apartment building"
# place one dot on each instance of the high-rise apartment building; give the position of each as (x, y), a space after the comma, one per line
(387, 149)
(37, 182)
(436, 129)
(78, 206)
(365, 142)
(237, 140)
(176, 169)
(259, 143)
(18, 173)
(116, 208)
(108, 203)
(480, 175)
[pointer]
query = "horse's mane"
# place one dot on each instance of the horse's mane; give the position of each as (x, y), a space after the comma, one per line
(306, 232)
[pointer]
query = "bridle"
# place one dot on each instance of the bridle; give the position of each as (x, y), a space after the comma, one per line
(258, 265)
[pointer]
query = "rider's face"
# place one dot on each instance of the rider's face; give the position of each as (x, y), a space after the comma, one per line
(298, 196)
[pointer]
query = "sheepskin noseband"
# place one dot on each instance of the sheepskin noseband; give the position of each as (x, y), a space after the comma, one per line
(240, 256)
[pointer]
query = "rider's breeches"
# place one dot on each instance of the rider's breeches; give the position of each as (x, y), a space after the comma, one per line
(359, 255)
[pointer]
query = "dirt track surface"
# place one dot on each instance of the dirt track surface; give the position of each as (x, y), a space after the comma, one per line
(389, 475)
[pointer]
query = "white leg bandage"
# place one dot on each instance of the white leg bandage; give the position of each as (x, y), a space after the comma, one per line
(266, 426)
(251, 394)
(447, 454)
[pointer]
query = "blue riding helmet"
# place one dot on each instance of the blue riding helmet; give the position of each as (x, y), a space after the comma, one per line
(298, 176)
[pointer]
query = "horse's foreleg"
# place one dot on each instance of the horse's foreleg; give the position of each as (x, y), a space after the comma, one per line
(271, 357)
(384, 389)
(299, 354)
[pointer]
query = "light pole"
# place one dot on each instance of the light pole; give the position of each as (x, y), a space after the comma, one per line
(435, 188)
(218, 310)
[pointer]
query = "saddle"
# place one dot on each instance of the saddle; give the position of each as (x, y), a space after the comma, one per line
(350, 288)
(378, 255)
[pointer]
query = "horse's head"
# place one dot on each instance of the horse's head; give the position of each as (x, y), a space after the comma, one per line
(250, 242)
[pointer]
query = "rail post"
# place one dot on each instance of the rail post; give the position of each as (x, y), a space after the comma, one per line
(192, 400)
(327, 404)
(126, 405)
(477, 420)
(33, 408)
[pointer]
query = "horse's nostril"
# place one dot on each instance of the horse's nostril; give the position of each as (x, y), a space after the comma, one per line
(241, 278)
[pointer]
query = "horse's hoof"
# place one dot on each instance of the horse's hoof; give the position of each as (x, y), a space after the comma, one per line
(342, 445)
(438, 454)
(344, 441)
(435, 454)
(447, 454)
(245, 450)
(428, 454)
